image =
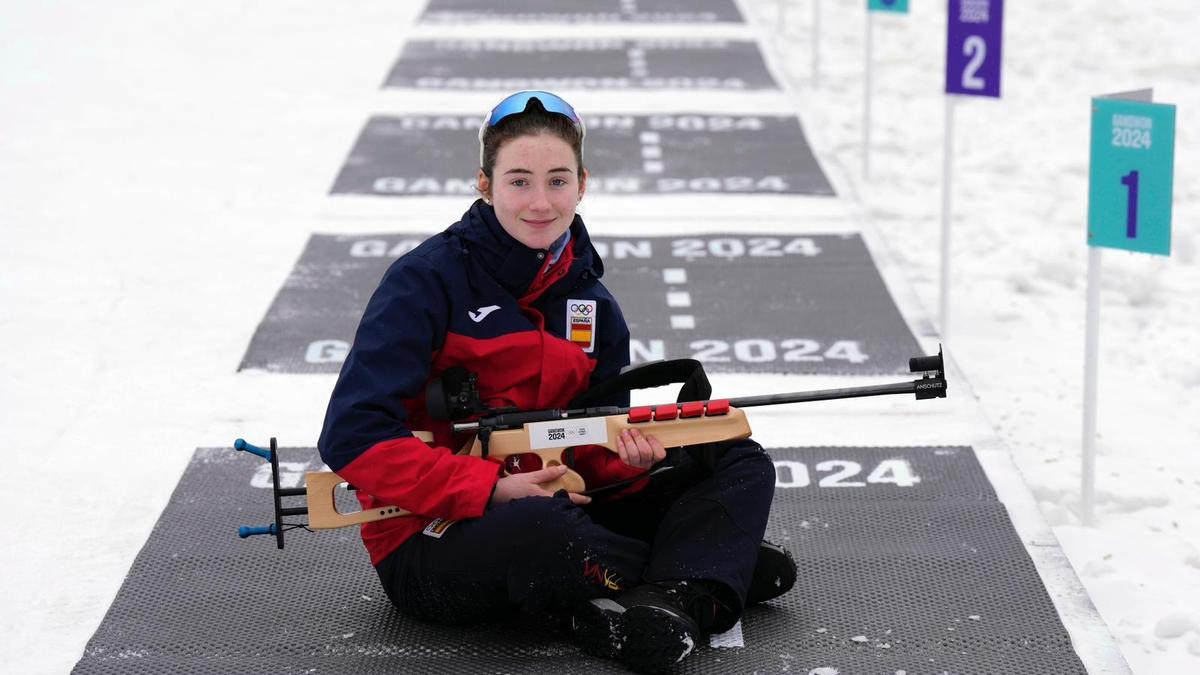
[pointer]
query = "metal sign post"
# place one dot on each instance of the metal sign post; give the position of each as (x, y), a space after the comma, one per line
(974, 36)
(947, 199)
(895, 7)
(816, 43)
(866, 123)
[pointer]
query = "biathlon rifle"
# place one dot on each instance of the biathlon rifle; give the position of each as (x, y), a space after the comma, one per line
(546, 438)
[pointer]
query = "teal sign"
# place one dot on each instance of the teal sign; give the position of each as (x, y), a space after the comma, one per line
(898, 6)
(1132, 169)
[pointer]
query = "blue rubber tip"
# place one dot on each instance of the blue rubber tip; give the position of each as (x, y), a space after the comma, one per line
(242, 445)
(245, 531)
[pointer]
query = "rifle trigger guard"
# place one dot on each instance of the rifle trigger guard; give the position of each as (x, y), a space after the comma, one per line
(484, 434)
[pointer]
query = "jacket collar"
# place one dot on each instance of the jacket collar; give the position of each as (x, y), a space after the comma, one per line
(512, 264)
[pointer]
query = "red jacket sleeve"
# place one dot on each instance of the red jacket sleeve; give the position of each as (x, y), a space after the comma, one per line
(425, 480)
(366, 438)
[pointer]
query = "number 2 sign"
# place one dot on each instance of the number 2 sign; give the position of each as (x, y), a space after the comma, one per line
(1132, 171)
(974, 35)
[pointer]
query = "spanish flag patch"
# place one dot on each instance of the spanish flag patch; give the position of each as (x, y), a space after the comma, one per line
(581, 323)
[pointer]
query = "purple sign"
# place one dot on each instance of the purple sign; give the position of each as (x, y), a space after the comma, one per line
(974, 35)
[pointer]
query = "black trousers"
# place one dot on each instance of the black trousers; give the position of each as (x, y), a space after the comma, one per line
(703, 519)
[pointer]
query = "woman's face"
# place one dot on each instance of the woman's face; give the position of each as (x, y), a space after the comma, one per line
(535, 188)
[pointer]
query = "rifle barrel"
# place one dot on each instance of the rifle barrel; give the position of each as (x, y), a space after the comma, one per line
(927, 387)
(824, 395)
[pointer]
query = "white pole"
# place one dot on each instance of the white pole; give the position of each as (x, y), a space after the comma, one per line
(816, 43)
(1091, 356)
(779, 20)
(866, 124)
(947, 206)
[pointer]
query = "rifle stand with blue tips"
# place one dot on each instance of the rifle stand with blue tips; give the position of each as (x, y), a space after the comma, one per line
(278, 527)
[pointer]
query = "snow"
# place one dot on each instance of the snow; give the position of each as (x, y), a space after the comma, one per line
(730, 639)
(162, 165)
(1019, 267)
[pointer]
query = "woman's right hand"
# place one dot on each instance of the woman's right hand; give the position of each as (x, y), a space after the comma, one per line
(530, 484)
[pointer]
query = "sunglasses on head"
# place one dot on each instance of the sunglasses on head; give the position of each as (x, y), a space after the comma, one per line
(518, 102)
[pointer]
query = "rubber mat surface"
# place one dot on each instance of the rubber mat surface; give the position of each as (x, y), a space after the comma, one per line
(820, 305)
(606, 63)
(907, 564)
(684, 153)
(582, 11)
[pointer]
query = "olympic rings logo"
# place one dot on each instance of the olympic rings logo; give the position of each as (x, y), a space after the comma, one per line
(582, 309)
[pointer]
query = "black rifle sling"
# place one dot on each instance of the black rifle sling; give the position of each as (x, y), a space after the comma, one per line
(695, 387)
(689, 372)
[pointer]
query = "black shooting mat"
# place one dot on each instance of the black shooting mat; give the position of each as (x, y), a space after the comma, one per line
(582, 11)
(423, 155)
(744, 303)
(906, 563)
(587, 63)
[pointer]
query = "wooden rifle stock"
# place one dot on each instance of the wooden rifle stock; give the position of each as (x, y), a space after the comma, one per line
(321, 485)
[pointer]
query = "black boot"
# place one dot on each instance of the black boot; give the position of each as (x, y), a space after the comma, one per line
(649, 627)
(774, 573)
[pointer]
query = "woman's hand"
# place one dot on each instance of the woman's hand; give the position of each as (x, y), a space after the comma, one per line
(639, 451)
(530, 484)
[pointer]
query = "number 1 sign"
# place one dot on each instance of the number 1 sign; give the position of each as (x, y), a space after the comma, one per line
(974, 32)
(1132, 170)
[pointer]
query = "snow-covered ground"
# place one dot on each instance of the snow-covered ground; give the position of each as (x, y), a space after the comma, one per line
(162, 165)
(1019, 271)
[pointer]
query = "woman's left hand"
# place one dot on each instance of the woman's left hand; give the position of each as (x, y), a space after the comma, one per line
(639, 451)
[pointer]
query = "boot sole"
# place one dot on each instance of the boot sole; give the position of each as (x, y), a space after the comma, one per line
(599, 628)
(655, 638)
(774, 574)
(644, 638)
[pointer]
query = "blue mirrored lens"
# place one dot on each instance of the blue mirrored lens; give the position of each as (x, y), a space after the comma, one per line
(516, 104)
